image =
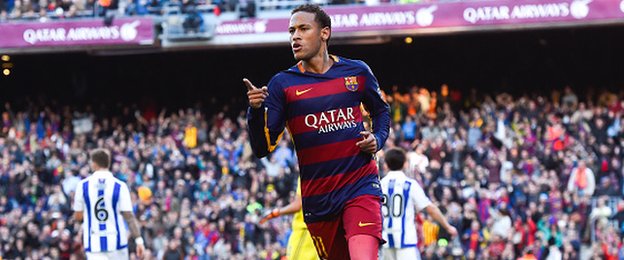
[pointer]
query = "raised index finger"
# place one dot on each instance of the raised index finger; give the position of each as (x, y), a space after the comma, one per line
(249, 85)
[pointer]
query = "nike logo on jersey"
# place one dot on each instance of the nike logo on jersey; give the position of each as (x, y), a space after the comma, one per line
(365, 224)
(299, 93)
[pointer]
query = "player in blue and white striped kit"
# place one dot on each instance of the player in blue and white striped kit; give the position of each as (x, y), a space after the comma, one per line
(104, 200)
(402, 196)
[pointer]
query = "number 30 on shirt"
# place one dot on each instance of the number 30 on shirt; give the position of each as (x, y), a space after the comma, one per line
(392, 206)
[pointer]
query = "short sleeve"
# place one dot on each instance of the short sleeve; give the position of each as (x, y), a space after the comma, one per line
(125, 202)
(420, 199)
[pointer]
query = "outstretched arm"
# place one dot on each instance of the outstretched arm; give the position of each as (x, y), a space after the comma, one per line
(435, 213)
(79, 204)
(125, 208)
(134, 232)
(132, 224)
(291, 208)
(421, 202)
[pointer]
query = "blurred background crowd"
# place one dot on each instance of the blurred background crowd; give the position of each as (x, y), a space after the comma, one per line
(64, 9)
(518, 176)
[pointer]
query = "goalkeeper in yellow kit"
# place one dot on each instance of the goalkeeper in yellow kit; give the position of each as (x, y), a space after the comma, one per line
(300, 245)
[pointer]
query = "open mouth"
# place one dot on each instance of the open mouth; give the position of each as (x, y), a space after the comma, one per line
(296, 47)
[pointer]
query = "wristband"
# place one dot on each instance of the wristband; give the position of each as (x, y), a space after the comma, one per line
(139, 241)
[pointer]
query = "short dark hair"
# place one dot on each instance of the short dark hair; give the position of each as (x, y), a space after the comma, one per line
(395, 159)
(101, 157)
(320, 16)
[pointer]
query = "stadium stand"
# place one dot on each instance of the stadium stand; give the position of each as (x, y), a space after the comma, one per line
(518, 176)
(64, 9)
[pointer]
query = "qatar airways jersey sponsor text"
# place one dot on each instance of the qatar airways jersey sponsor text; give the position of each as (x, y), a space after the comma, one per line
(331, 120)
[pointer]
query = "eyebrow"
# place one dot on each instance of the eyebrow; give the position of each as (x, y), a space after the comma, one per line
(298, 26)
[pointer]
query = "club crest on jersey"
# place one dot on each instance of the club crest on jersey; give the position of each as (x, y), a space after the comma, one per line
(351, 83)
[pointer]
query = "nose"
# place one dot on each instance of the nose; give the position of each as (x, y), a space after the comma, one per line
(296, 35)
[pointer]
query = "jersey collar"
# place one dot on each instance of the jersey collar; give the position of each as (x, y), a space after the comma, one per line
(300, 68)
(396, 173)
(102, 172)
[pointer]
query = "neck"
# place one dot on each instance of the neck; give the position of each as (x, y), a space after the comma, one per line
(318, 64)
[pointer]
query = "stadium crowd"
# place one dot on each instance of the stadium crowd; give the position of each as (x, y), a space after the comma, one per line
(527, 176)
(63, 9)
(530, 176)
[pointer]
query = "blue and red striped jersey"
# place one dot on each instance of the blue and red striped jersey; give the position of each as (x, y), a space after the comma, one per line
(323, 115)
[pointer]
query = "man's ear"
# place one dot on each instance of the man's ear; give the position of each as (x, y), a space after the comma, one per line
(325, 33)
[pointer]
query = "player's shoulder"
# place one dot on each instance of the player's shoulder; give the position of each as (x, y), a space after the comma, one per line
(84, 180)
(279, 79)
(284, 74)
(120, 182)
(384, 179)
(387, 177)
(393, 176)
(412, 181)
(354, 63)
(112, 179)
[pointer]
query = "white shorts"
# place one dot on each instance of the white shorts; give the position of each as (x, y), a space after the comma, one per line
(116, 255)
(401, 253)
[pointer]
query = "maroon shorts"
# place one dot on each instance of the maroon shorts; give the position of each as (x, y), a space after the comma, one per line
(361, 215)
